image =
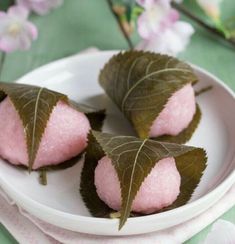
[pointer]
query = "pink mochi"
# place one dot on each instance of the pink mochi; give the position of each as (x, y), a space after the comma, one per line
(64, 137)
(177, 113)
(159, 189)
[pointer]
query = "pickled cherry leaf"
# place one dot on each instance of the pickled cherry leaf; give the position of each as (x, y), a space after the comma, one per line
(141, 83)
(34, 105)
(87, 187)
(133, 159)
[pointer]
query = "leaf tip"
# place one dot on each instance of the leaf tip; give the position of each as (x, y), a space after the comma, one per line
(30, 168)
(121, 224)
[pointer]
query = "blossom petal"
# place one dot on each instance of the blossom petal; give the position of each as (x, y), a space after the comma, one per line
(3, 22)
(24, 3)
(184, 29)
(170, 19)
(31, 30)
(173, 15)
(15, 31)
(171, 41)
(40, 7)
(222, 232)
(147, 4)
(164, 3)
(157, 17)
(144, 26)
(8, 44)
(2, 15)
(24, 42)
(18, 11)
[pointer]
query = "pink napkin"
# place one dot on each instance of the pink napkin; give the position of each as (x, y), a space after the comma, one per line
(27, 229)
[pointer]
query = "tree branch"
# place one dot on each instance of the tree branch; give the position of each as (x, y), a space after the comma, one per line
(189, 14)
(129, 42)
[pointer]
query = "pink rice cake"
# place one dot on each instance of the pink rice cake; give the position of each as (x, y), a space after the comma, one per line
(64, 137)
(177, 113)
(159, 189)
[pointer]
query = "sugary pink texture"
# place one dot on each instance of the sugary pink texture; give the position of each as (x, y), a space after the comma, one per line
(65, 135)
(159, 189)
(177, 114)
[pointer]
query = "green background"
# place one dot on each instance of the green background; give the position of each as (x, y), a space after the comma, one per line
(80, 24)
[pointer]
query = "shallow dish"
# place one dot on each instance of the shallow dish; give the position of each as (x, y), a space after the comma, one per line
(60, 203)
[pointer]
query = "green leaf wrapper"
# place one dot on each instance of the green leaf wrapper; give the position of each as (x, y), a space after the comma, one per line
(88, 192)
(141, 83)
(133, 159)
(34, 105)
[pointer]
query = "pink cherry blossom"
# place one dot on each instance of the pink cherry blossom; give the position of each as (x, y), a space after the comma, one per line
(172, 41)
(160, 28)
(157, 16)
(16, 32)
(40, 7)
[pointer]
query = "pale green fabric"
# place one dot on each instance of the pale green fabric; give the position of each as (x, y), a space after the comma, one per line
(79, 24)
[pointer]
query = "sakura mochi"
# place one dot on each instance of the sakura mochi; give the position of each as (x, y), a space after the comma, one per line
(159, 189)
(155, 95)
(64, 137)
(177, 113)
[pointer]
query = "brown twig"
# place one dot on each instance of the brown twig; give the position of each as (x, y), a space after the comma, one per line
(130, 44)
(213, 30)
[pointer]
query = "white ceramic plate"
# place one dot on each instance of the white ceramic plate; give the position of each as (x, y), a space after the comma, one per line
(59, 202)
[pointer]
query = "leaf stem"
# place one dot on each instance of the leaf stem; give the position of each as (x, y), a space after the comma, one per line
(129, 42)
(43, 177)
(2, 59)
(193, 17)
